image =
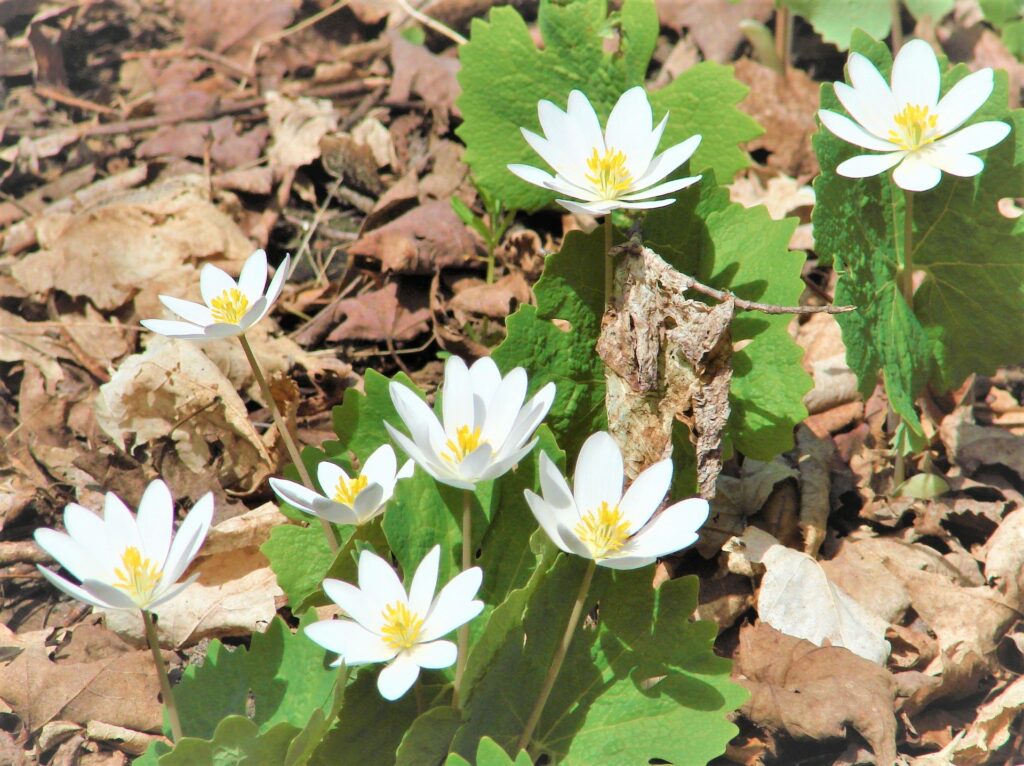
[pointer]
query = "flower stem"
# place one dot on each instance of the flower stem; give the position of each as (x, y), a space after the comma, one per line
(783, 35)
(161, 672)
(467, 562)
(286, 436)
(559, 658)
(609, 263)
(897, 26)
(907, 275)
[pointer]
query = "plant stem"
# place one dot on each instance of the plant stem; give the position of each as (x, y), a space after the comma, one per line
(490, 263)
(783, 35)
(467, 562)
(559, 658)
(286, 436)
(609, 263)
(897, 26)
(161, 672)
(907, 276)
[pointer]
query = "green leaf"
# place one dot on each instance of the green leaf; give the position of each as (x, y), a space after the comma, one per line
(836, 20)
(501, 50)
(300, 559)
(427, 740)
(490, 753)
(283, 675)
(235, 742)
(969, 308)
(604, 708)
(345, 565)
(933, 9)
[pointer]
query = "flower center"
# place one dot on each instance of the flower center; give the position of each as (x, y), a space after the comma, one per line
(229, 307)
(915, 127)
(402, 627)
(466, 440)
(138, 577)
(346, 490)
(603, 531)
(608, 173)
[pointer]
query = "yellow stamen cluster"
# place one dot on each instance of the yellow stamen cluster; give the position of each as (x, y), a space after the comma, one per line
(139, 576)
(346, 490)
(915, 127)
(466, 440)
(402, 627)
(229, 307)
(603, 531)
(608, 173)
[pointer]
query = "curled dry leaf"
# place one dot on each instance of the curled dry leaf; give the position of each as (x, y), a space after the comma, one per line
(815, 464)
(427, 238)
(971, 445)
(737, 499)
(812, 692)
(152, 394)
(296, 127)
(417, 70)
(496, 300)
(379, 316)
(797, 598)
(1004, 559)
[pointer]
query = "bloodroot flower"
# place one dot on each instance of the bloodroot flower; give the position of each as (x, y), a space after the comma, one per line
(230, 307)
(606, 171)
(597, 521)
(389, 625)
(124, 562)
(915, 130)
(348, 499)
(486, 425)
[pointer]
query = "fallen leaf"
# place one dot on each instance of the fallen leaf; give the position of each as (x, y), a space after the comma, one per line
(496, 300)
(1004, 558)
(379, 316)
(417, 70)
(970, 445)
(296, 127)
(713, 24)
(811, 692)
(427, 238)
(738, 498)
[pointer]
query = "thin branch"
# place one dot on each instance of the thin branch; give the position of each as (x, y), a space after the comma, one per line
(430, 23)
(676, 281)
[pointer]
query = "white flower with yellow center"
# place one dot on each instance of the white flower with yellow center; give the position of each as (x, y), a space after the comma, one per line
(230, 308)
(915, 130)
(389, 625)
(606, 171)
(124, 562)
(597, 521)
(486, 429)
(348, 499)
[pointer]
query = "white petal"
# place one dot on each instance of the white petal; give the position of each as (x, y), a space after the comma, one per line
(456, 396)
(648, 205)
(108, 594)
(69, 554)
(396, 678)
(328, 475)
(219, 330)
(380, 467)
(379, 582)
(875, 120)
(915, 75)
(295, 494)
(645, 494)
(436, 654)
(352, 641)
(90, 533)
(573, 542)
(598, 476)
(561, 147)
(667, 161)
(75, 591)
(253, 278)
(875, 93)
(963, 100)
(974, 138)
(368, 502)
(548, 518)
(629, 129)
(432, 466)
(532, 175)
(564, 160)
(119, 524)
(555, 488)
(666, 188)
(864, 165)
(671, 530)
(277, 283)
(194, 313)
(418, 417)
(485, 377)
(475, 463)
(454, 605)
(213, 282)
(165, 594)
(256, 311)
(955, 163)
(173, 329)
(585, 122)
(915, 173)
(590, 208)
(424, 582)
(506, 401)
(627, 562)
(156, 522)
(354, 603)
(528, 419)
(189, 538)
(853, 133)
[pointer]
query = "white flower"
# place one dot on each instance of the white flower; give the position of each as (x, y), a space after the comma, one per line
(486, 424)
(124, 562)
(391, 626)
(597, 521)
(231, 307)
(348, 500)
(617, 169)
(909, 123)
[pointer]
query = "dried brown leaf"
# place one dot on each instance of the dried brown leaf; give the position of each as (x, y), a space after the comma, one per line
(417, 70)
(379, 316)
(427, 238)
